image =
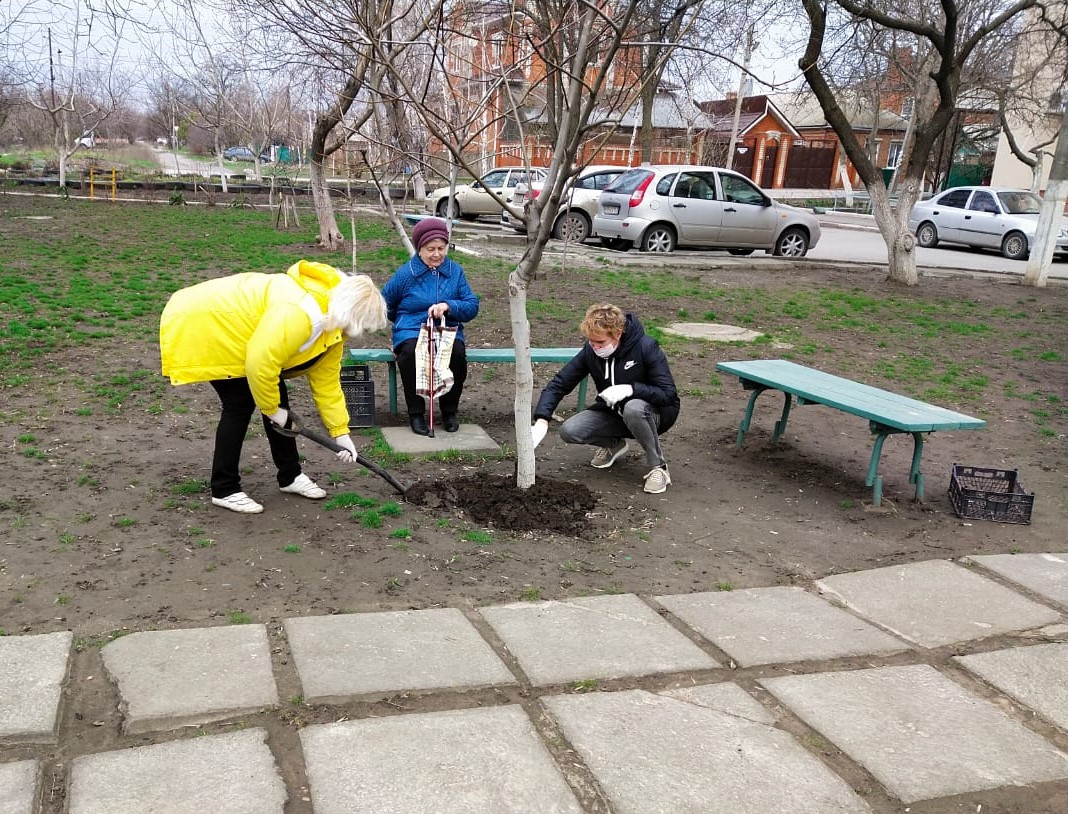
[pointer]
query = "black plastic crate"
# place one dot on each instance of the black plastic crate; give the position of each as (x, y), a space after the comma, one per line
(359, 390)
(990, 494)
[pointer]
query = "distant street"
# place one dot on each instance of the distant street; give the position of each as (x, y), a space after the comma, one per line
(866, 245)
(846, 237)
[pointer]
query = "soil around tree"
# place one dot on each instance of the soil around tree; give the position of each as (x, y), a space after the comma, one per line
(549, 505)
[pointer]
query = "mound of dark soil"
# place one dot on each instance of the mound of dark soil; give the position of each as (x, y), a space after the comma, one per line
(549, 505)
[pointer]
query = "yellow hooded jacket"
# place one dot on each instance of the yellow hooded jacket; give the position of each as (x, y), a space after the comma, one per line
(259, 326)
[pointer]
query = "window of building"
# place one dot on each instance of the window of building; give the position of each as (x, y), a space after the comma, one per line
(893, 157)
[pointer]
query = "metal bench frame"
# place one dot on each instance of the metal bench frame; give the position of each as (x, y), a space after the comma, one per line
(356, 356)
(901, 415)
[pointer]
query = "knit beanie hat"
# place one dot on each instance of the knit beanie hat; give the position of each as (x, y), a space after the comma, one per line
(429, 229)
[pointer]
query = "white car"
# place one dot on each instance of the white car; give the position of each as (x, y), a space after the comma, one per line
(987, 217)
(574, 221)
(659, 209)
(472, 200)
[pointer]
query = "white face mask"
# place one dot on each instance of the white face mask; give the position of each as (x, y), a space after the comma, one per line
(606, 350)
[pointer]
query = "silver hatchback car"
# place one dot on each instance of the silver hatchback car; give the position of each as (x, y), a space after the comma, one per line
(987, 217)
(661, 208)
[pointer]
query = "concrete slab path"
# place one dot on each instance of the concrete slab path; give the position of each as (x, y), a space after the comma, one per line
(930, 687)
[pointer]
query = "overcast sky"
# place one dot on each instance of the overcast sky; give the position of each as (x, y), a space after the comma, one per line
(140, 42)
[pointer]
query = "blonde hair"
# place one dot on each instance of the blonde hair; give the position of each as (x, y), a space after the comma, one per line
(356, 306)
(603, 319)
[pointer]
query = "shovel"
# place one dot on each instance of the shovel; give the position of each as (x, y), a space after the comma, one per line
(297, 428)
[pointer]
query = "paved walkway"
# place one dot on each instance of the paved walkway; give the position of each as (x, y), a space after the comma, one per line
(884, 690)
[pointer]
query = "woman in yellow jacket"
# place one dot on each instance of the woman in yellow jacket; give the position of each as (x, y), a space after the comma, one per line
(245, 335)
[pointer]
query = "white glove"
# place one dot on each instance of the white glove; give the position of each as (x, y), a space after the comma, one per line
(537, 432)
(348, 454)
(280, 418)
(615, 394)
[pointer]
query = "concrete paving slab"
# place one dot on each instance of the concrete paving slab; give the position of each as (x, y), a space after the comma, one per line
(776, 625)
(934, 603)
(1036, 676)
(173, 678)
(372, 655)
(592, 637)
(457, 762)
(1045, 574)
(216, 774)
(656, 754)
(469, 438)
(32, 672)
(18, 786)
(711, 332)
(920, 734)
(727, 698)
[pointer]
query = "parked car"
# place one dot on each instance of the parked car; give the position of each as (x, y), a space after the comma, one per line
(244, 154)
(985, 217)
(87, 140)
(661, 208)
(472, 200)
(574, 222)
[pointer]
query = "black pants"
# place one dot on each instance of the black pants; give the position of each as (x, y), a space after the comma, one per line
(237, 408)
(450, 402)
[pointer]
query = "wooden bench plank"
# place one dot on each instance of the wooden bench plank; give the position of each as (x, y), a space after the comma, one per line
(479, 355)
(884, 406)
(887, 412)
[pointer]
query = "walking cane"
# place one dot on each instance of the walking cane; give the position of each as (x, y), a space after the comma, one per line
(430, 370)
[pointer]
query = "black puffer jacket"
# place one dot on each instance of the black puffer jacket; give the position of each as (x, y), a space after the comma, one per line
(638, 361)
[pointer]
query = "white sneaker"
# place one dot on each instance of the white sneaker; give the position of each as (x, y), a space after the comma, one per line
(238, 502)
(305, 487)
(606, 456)
(657, 480)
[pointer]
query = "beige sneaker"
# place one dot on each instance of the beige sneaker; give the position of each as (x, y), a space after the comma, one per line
(606, 456)
(657, 480)
(305, 487)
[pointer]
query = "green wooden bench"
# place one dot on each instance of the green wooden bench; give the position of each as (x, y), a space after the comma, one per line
(356, 356)
(887, 413)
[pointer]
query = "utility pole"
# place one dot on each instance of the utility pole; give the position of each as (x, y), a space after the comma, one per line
(1049, 219)
(742, 84)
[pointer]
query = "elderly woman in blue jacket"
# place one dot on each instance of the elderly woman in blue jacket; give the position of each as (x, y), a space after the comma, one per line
(430, 284)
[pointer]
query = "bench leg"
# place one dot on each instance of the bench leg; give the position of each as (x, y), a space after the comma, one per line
(582, 394)
(392, 387)
(874, 479)
(915, 475)
(743, 428)
(780, 425)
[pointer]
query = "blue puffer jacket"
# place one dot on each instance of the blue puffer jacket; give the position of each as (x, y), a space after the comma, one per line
(414, 287)
(638, 361)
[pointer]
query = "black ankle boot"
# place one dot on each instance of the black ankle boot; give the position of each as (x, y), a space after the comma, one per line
(450, 421)
(418, 423)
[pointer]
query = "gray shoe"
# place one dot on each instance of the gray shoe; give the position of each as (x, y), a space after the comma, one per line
(606, 456)
(657, 480)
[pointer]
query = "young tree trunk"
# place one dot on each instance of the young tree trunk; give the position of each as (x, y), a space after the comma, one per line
(524, 377)
(518, 281)
(330, 236)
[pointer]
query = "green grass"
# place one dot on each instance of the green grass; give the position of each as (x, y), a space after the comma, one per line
(102, 279)
(478, 537)
(190, 486)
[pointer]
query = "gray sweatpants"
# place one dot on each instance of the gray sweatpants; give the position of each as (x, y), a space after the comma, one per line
(603, 428)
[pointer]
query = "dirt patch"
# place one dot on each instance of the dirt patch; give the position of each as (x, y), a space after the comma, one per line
(108, 527)
(549, 505)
